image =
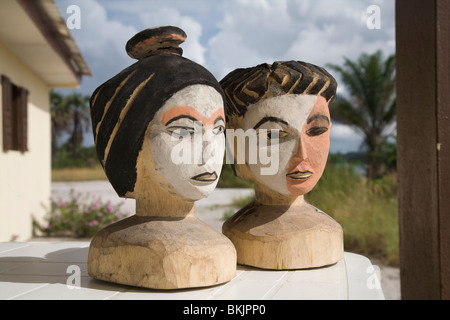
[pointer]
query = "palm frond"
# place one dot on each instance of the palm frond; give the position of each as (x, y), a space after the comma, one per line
(370, 107)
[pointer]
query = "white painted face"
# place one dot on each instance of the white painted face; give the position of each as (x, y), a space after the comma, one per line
(187, 140)
(303, 124)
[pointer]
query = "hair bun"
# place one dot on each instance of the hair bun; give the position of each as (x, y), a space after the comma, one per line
(156, 40)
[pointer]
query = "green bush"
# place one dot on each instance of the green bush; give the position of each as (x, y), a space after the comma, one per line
(78, 217)
(84, 157)
(366, 209)
(229, 180)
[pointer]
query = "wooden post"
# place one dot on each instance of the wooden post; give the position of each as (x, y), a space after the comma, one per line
(423, 125)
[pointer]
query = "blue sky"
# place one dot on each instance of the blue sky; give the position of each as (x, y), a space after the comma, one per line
(227, 34)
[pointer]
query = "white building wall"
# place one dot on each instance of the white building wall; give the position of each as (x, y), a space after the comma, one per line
(25, 178)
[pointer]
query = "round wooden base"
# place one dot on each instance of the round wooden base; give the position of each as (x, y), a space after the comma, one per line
(284, 238)
(162, 253)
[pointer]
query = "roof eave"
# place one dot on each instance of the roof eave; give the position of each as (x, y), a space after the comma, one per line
(47, 18)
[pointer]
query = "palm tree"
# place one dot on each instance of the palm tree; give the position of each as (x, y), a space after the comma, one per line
(69, 114)
(371, 106)
(80, 118)
(60, 119)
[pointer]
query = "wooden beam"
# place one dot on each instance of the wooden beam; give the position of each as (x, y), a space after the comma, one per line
(423, 109)
(443, 112)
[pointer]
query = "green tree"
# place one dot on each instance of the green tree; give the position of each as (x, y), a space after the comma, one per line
(370, 107)
(70, 115)
(60, 119)
(80, 118)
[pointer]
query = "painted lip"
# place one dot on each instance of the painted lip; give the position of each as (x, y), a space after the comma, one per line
(206, 177)
(300, 175)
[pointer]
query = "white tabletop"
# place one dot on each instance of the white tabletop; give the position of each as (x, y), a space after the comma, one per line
(58, 270)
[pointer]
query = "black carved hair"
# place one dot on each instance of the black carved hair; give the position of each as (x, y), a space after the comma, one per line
(123, 107)
(244, 87)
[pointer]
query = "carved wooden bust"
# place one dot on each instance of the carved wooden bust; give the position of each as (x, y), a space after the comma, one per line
(286, 105)
(142, 119)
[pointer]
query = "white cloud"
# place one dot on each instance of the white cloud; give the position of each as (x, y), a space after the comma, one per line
(227, 34)
(101, 41)
(228, 51)
(344, 139)
(315, 31)
(340, 131)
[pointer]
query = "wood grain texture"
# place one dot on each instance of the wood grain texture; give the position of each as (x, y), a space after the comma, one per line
(279, 230)
(423, 147)
(284, 234)
(164, 246)
(443, 117)
(157, 253)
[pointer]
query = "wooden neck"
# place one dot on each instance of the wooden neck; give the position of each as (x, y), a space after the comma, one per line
(166, 206)
(268, 197)
(154, 199)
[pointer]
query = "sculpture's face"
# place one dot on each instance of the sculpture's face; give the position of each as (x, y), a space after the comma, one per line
(304, 127)
(187, 140)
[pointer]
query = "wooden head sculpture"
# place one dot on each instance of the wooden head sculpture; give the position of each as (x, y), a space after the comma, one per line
(159, 133)
(286, 106)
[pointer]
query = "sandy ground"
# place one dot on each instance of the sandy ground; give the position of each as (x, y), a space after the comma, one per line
(210, 210)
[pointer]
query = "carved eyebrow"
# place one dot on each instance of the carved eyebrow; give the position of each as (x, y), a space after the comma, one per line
(218, 119)
(318, 116)
(180, 112)
(180, 117)
(269, 119)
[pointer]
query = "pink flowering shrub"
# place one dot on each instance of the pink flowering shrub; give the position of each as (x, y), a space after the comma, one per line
(79, 218)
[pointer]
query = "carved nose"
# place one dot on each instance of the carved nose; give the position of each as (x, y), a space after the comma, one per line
(300, 153)
(207, 148)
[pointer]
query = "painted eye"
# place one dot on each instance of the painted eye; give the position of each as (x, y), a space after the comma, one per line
(316, 131)
(276, 134)
(272, 134)
(218, 130)
(181, 131)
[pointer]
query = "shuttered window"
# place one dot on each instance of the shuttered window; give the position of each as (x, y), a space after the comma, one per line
(15, 116)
